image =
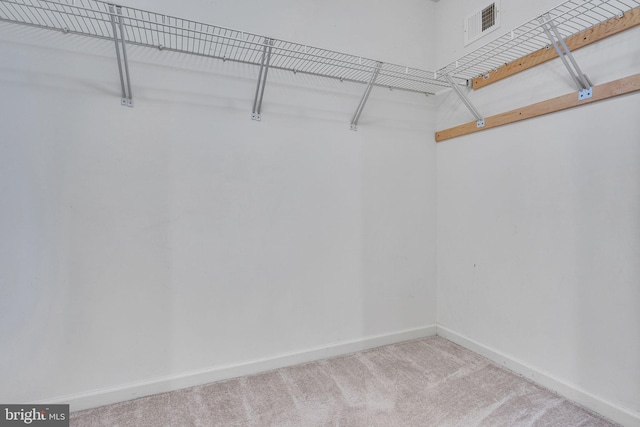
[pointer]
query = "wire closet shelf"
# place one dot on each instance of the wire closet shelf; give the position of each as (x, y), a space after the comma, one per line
(144, 28)
(570, 18)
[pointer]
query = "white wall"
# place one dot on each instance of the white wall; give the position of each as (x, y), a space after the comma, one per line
(177, 236)
(539, 225)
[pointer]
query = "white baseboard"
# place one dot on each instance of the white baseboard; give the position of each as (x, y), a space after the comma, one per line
(572, 392)
(136, 390)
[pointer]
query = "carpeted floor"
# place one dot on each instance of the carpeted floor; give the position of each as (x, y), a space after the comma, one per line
(425, 382)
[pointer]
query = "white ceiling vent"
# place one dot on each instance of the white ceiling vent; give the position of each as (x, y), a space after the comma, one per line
(482, 22)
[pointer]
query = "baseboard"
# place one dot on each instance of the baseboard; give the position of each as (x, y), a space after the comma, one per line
(607, 409)
(136, 390)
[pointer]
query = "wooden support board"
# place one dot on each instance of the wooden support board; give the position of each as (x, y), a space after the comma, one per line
(600, 92)
(608, 28)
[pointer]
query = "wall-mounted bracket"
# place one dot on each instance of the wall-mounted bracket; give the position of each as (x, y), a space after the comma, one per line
(365, 96)
(262, 79)
(117, 24)
(581, 80)
(465, 101)
(624, 86)
(585, 94)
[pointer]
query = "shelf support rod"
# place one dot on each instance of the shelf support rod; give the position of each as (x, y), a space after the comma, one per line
(581, 80)
(262, 79)
(365, 96)
(127, 96)
(466, 101)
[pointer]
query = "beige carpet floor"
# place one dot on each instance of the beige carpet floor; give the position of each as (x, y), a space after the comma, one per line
(425, 382)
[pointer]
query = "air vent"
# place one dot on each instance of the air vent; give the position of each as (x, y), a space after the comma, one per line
(481, 22)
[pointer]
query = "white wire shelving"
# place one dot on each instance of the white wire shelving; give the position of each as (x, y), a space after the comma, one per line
(130, 26)
(570, 18)
(552, 28)
(144, 28)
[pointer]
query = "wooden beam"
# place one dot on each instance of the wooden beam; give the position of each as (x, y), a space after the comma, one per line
(598, 32)
(600, 92)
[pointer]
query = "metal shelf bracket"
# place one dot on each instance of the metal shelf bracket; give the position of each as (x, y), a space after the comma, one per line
(365, 96)
(117, 23)
(262, 79)
(581, 80)
(466, 101)
(585, 94)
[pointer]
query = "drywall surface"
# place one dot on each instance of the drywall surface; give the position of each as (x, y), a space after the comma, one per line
(539, 237)
(180, 235)
(539, 226)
